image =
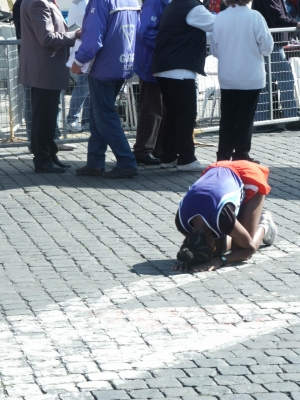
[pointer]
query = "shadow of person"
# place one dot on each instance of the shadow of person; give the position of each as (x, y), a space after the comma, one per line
(156, 267)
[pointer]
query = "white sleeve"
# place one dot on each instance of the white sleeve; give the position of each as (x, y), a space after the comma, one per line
(72, 14)
(264, 38)
(199, 17)
(214, 44)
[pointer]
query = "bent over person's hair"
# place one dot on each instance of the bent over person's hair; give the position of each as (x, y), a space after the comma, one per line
(194, 250)
(238, 2)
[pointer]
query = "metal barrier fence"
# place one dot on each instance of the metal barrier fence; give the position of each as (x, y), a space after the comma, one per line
(279, 105)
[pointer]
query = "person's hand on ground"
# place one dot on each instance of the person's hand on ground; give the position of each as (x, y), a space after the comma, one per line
(182, 267)
(212, 265)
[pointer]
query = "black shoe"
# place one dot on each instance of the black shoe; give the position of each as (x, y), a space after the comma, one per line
(121, 173)
(223, 156)
(88, 171)
(243, 156)
(149, 159)
(56, 161)
(50, 168)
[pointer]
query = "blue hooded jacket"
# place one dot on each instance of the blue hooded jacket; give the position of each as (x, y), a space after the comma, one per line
(108, 37)
(146, 35)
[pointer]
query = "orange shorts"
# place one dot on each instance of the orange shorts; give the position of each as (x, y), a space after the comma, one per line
(254, 176)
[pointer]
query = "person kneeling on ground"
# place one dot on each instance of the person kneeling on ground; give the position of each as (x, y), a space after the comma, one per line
(223, 211)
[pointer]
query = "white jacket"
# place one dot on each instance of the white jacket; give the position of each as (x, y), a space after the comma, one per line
(240, 41)
(76, 12)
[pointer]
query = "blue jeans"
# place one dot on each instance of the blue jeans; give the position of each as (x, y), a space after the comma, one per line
(80, 99)
(105, 126)
(282, 74)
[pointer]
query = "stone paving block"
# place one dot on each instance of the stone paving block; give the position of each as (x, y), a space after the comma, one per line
(236, 397)
(197, 381)
(146, 394)
(239, 370)
(264, 378)
(200, 372)
(111, 395)
(181, 392)
(295, 396)
(76, 396)
(169, 382)
(290, 377)
(201, 398)
(129, 384)
(61, 388)
(270, 396)
(42, 397)
(213, 390)
(248, 388)
(94, 385)
(170, 373)
(19, 390)
(211, 363)
(231, 380)
(266, 369)
(104, 376)
(283, 387)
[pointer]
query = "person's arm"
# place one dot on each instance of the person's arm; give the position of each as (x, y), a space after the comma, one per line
(276, 14)
(244, 248)
(199, 17)
(17, 17)
(93, 31)
(263, 37)
(148, 29)
(214, 44)
(42, 24)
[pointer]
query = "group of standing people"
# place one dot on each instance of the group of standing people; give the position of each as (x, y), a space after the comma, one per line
(165, 44)
(170, 51)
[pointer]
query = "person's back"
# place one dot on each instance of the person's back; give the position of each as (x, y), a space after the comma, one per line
(240, 41)
(108, 38)
(109, 30)
(175, 42)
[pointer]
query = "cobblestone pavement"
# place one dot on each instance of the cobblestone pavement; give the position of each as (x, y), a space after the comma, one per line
(90, 306)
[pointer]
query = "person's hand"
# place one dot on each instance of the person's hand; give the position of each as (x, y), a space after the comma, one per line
(212, 265)
(78, 33)
(76, 69)
(182, 267)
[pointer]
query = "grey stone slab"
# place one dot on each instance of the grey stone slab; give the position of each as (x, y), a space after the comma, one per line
(283, 387)
(236, 397)
(201, 372)
(265, 378)
(146, 394)
(270, 396)
(181, 392)
(248, 388)
(239, 370)
(169, 382)
(110, 395)
(170, 373)
(130, 384)
(213, 390)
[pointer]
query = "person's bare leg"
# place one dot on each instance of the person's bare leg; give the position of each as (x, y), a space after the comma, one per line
(249, 217)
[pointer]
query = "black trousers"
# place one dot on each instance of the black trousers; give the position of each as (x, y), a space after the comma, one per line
(179, 98)
(236, 124)
(150, 121)
(44, 114)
